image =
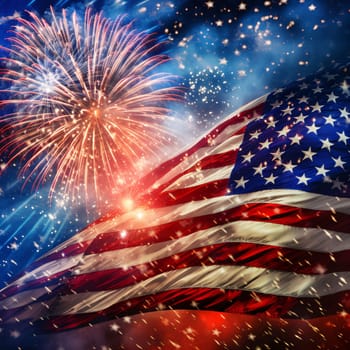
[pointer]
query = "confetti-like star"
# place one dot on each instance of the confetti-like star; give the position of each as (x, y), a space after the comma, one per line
(242, 6)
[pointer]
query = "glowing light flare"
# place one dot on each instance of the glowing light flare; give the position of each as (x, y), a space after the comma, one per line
(123, 234)
(128, 204)
(87, 102)
(139, 214)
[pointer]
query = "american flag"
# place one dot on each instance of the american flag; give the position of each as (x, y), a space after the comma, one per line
(253, 218)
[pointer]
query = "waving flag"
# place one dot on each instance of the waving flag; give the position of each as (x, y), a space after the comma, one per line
(254, 218)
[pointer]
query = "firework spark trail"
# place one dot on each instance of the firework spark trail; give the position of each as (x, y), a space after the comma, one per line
(87, 103)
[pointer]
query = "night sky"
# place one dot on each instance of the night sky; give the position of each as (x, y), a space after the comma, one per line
(225, 53)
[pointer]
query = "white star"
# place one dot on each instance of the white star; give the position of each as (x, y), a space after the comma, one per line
(287, 110)
(290, 95)
(345, 87)
(283, 132)
(321, 170)
(300, 118)
(303, 86)
(326, 144)
(332, 97)
(330, 76)
(303, 179)
(276, 104)
(329, 120)
(327, 179)
(254, 135)
(278, 91)
(223, 61)
(317, 90)
(303, 99)
(265, 144)
(344, 113)
(210, 4)
(259, 169)
(296, 139)
(277, 155)
(338, 162)
(342, 137)
(270, 179)
(312, 128)
(270, 122)
(248, 157)
(338, 184)
(289, 167)
(316, 107)
(241, 182)
(308, 154)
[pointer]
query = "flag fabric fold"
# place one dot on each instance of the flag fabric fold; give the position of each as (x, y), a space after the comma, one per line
(253, 218)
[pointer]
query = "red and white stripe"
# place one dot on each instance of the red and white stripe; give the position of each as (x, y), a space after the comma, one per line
(190, 245)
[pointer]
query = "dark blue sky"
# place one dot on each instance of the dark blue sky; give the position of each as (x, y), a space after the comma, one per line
(225, 54)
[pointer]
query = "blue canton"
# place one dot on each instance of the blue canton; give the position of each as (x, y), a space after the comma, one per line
(302, 139)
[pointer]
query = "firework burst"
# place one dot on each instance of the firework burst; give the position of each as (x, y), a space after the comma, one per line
(84, 103)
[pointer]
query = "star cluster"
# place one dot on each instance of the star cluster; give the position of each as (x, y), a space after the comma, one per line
(302, 140)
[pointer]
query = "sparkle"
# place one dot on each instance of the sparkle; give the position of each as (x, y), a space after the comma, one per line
(216, 332)
(312, 7)
(242, 6)
(127, 319)
(14, 246)
(251, 336)
(345, 87)
(15, 334)
(114, 327)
